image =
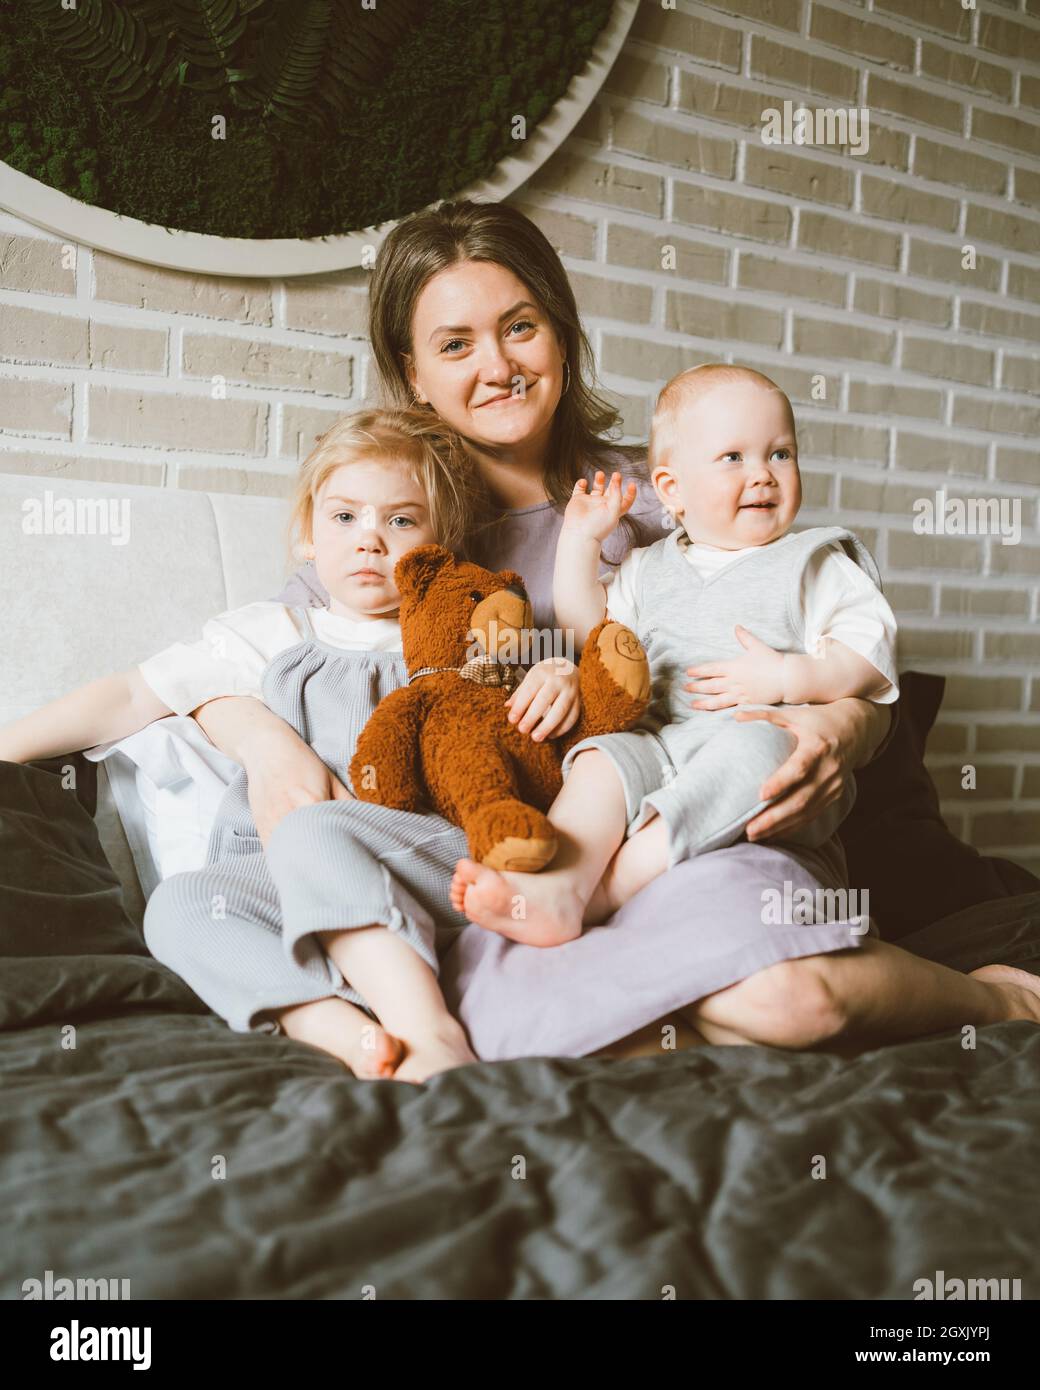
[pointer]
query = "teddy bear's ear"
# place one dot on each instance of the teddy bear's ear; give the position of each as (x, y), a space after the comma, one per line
(416, 571)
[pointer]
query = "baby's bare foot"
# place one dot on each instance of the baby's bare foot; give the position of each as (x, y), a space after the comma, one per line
(533, 908)
(1019, 991)
(363, 1046)
(428, 1054)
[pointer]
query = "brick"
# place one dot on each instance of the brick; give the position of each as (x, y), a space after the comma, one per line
(36, 407)
(795, 281)
(817, 489)
(1021, 374)
(703, 317)
(865, 495)
(781, 14)
(797, 177)
(569, 235)
(236, 480)
(30, 263)
(1029, 91)
(908, 551)
(871, 398)
(826, 439)
(1008, 738)
(888, 148)
(1027, 187)
(181, 292)
(612, 299)
(983, 693)
(1031, 784)
(909, 598)
(899, 202)
(644, 360)
(721, 101)
(630, 246)
(182, 422)
(951, 361)
(965, 70)
(993, 781)
(1006, 38)
(914, 103)
(634, 412)
(1023, 282)
(667, 144)
(996, 417)
(696, 37)
(945, 16)
(1018, 559)
(759, 218)
(334, 304)
(993, 829)
(301, 425)
(266, 364)
(637, 80)
(892, 301)
(30, 336)
(1005, 228)
(1018, 466)
(926, 453)
(1000, 603)
(808, 72)
(999, 322)
(1009, 131)
(90, 470)
(946, 164)
(865, 38)
(935, 262)
(114, 346)
(795, 384)
(948, 738)
(1012, 646)
(826, 340)
(933, 644)
(819, 231)
(635, 189)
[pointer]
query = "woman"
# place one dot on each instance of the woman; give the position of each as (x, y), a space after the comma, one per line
(472, 316)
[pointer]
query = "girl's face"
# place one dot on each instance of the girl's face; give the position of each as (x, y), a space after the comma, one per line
(366, 516)
(485, 355)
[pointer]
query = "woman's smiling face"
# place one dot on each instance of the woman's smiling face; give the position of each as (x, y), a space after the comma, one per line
(485, 355)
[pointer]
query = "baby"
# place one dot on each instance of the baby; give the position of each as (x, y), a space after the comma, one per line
(766, 617)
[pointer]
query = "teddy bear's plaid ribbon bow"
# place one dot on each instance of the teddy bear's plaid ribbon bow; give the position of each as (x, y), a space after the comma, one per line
(482, 670)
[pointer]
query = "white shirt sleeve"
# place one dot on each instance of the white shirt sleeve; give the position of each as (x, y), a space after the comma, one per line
(229, 659)
(840, 600)
(620, 584)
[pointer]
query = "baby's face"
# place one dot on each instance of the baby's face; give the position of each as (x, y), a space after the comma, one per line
(366, 516)
(733, 477)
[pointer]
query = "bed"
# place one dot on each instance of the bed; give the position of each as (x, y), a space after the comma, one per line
(143, 1140)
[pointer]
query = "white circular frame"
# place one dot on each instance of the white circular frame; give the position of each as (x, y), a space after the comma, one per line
(285, 256)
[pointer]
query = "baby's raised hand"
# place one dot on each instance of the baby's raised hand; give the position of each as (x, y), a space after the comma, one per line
(757, 678)
(595, 511)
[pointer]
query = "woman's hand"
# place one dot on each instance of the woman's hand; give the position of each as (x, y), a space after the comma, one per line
(595, 511)
(757, 678)
(832, 741)
(546, 703)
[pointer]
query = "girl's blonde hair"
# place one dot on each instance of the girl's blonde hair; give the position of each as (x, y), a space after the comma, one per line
(454, 494)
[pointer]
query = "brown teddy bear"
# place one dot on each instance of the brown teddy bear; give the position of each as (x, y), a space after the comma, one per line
(444, 741)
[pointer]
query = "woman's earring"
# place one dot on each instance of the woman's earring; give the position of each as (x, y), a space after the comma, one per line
(567, 383)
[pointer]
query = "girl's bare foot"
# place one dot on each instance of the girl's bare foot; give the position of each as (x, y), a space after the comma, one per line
(361, 1043)
(1020, 991)
(534, 908)
(434, 1052)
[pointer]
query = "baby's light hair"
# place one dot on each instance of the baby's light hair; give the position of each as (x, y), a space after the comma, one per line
(688, 389)
(435, 452)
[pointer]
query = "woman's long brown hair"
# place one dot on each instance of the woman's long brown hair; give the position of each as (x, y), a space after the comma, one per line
(431, 240)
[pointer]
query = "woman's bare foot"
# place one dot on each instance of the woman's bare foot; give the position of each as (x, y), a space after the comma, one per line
(434, 1052)
(533, 908)
(362, 1044)
(1019, 990)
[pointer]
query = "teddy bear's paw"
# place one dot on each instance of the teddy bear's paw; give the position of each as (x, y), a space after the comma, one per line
(520, 856)
(622, 654)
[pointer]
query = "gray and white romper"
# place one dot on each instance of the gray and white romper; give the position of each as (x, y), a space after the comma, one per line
(329, 866)
(699, 769)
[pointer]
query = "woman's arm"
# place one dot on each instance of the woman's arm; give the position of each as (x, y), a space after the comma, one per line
(833, 740)
(283, 771)
(104, 710)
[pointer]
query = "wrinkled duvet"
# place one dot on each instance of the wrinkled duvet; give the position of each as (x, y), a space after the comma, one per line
(142, 1139)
